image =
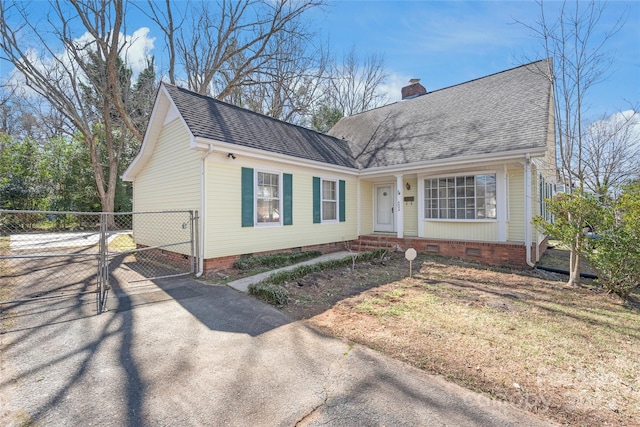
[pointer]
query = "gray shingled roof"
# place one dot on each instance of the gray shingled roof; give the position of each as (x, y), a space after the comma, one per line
(502, 112)
(213, 119)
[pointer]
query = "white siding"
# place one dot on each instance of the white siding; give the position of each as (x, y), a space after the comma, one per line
(169, 181)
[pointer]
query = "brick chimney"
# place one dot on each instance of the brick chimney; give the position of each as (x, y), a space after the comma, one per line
(414, 90)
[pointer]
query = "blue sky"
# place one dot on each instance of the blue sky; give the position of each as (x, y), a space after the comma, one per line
(444, 42)
(450, 42)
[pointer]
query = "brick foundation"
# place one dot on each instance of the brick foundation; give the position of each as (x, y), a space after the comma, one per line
(221, 263)
(168, 257)
(488, 253)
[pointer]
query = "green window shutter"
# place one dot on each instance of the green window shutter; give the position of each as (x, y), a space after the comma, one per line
(247, 197)
(287, 205)
(341, 200)
(316, 200)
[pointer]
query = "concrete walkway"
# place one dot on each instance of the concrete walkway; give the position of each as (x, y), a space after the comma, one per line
(242, 285)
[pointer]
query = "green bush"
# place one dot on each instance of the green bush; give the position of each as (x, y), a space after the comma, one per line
(616, 251)
(274, 260)
(273, 294)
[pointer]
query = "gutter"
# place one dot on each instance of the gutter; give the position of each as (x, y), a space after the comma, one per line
(203, 192)
(255, 153)
(494, 158)
(527, 209)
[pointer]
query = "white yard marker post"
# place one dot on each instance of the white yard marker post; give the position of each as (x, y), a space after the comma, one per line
(410, 254)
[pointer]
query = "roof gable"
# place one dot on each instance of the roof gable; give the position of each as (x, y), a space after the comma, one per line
(507, 111)
(212, 119)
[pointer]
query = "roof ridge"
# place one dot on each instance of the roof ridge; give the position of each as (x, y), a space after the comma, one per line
(452, 86)
(246, 110)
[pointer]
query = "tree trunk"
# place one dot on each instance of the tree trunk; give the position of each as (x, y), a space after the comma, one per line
(574, 265)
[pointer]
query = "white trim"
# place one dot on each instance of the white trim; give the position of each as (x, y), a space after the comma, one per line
(255, 199)
(392, 186)
(336, 181)
(203, 211)
(359, 208)
(420, 197)
(254, 153)
(502, 207)
(399, 218)
(422, 178)
(527, 210)
(480, 160)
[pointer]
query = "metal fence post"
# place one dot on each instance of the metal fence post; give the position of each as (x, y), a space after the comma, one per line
(195, 242)
(103, 264)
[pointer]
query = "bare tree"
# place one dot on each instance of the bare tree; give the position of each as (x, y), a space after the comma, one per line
(234, 41)
(61, 76)
(289, 85)
(612, 153)
(577, 47)
(354, 83)
(164, 18)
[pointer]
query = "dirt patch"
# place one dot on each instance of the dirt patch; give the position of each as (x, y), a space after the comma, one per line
(320, 291)
(569, 354)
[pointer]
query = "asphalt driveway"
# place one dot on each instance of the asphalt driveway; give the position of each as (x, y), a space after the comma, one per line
(179, 352)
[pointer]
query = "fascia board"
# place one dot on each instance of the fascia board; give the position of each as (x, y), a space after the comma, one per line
(254, 153)
(162, 105)
(453, 162)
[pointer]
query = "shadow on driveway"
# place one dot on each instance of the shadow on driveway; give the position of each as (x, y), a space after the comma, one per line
(179, 352)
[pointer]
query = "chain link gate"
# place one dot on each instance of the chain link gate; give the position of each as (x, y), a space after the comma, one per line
(46, 255)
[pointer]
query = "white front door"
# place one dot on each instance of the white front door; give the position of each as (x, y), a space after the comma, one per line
(384, 208)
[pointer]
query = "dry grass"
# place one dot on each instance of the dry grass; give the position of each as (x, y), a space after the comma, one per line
(121, 243)
(572, 355)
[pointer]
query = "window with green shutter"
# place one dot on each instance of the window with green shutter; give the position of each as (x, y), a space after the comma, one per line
(287, 194)
(247, 197)
(342, 200)
(267, 198)
(316, 200)
(328, 200)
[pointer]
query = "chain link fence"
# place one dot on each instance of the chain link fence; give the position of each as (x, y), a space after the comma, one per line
(47, 255)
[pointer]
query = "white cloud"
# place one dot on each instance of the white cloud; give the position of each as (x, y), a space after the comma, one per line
(624, 119)
(392, 86)
(136, 50)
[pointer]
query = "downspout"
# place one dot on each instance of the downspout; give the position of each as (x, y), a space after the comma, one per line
(527, 209)
(203, 192)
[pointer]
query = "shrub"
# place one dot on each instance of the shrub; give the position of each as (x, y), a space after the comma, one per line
(269, 292)
(274, 260)
(616, 254)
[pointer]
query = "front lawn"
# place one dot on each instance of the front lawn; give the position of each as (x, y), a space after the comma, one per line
(571, 355)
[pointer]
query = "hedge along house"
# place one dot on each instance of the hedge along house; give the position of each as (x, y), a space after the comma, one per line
(458, 171)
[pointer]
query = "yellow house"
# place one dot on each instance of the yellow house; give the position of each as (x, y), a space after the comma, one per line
(458, 171)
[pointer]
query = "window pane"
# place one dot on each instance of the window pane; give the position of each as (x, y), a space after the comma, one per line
(462, 197)
(470, 192)
(267, 195)
(268, 211)
(328, 211)
(329, 190)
